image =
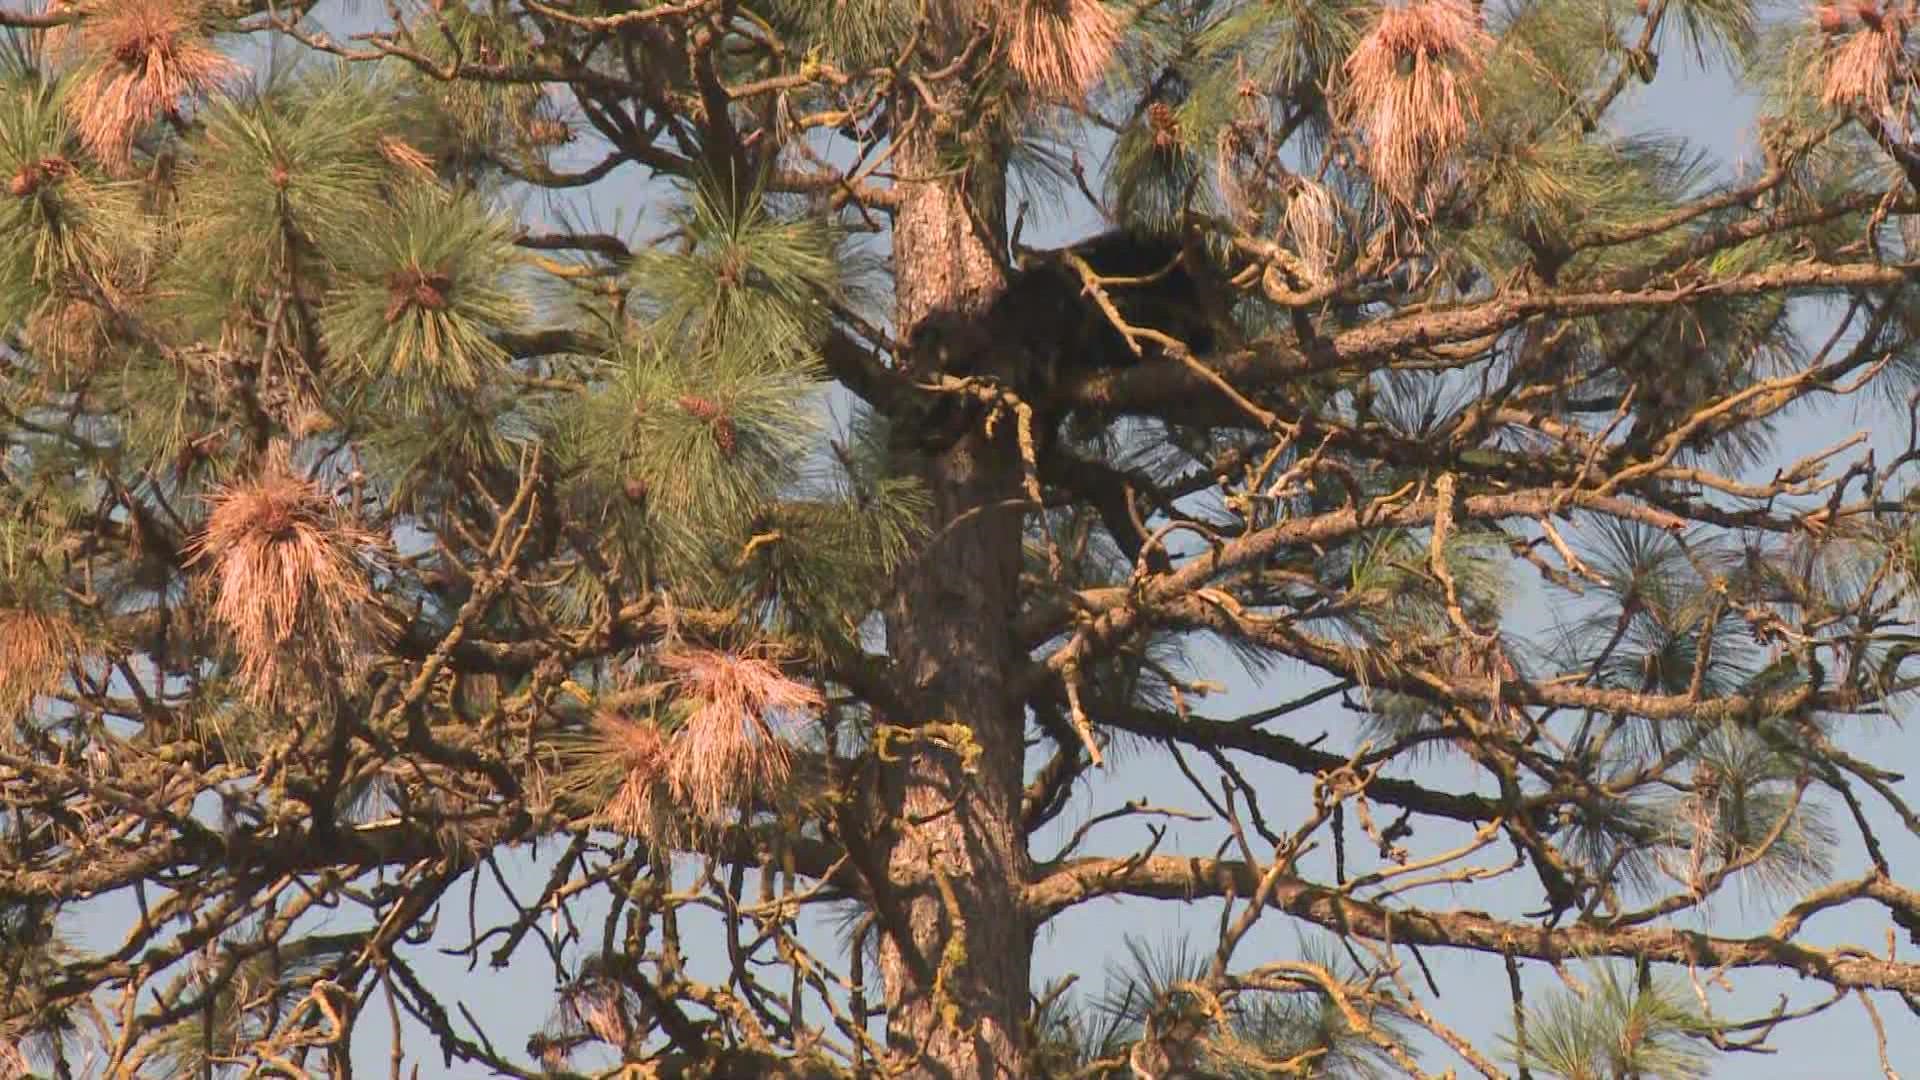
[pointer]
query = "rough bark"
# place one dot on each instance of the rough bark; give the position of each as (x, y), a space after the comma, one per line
(960, 1004)
(1185, 878)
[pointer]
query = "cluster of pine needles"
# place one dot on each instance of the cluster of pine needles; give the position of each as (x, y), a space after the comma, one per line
(1407, 89)
(713, 743)
(286, 568)
(136, 61)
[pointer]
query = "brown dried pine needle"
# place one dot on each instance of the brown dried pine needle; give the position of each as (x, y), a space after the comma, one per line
(138, 61)
(1313, 224)
(283, 565)
(35, 651)
(1406, 90)
(1059, 48)
(69, 334)
(636, 753)
(405, 156)
(1862, 68)
(727, 749)
(72, 330)
(598, 1004)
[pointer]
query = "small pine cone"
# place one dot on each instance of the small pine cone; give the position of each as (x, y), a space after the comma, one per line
(1707, 782)
(1831, 19)
(196, 450)
(724, 433)
(36, 175)
(549, 132)
(1165, 125)
(414, 287)
(1868, 11)
(635, 489)
(698, 407)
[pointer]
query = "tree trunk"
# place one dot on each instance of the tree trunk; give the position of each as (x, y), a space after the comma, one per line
(948, 632)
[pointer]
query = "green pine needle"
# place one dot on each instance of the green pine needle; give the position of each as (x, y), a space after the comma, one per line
(421, 298)
(281, 182)
(744, 282)
(63, 228)
(1618, 1031)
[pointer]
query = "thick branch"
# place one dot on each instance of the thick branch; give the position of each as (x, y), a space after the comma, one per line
(1170, 877)
(1270, 362)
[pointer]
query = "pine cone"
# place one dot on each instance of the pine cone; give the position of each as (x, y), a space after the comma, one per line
(1165, 124)
(36, 175)
(548, 132)
(698, 407)
(414, 287)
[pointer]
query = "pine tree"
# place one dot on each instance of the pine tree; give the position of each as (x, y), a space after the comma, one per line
(656, 494)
